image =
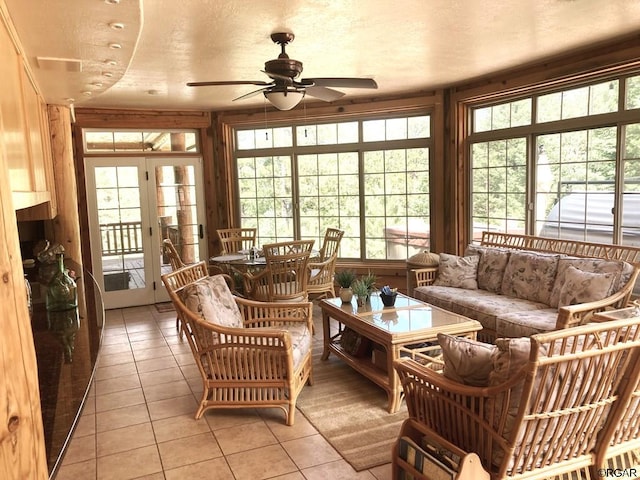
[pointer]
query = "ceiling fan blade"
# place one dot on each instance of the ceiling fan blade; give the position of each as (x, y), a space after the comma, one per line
(324, 93)
(342, 82)
(252, 94)
(231, 82)
(277, 76)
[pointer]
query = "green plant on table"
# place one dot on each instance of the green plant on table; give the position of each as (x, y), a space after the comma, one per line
(360, 288)
(370, 281)
(345, 278)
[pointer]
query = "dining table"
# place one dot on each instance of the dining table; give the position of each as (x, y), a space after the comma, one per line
(242, 265)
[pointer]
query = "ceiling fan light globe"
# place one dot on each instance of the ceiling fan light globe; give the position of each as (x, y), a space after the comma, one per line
(284, 100)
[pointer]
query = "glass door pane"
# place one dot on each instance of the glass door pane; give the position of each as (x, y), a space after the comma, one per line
(120, 223)
(177, 211)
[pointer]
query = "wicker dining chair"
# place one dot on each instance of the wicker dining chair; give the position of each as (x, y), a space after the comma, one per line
(544, 411)
(172, 253)
(169, 249)
(322, 271)
(233, 240)
(249, 354)
(285, 276)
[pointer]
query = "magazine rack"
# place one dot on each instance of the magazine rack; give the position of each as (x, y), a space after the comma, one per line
(418, 456)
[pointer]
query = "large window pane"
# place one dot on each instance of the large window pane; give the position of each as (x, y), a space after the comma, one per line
(581, 180)
(498, 173)
(136, 141)
(379, 197)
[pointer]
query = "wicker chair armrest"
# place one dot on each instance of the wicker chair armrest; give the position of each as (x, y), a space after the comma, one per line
(425, 276)
(250, 280)
(320, 265)
(573, 315)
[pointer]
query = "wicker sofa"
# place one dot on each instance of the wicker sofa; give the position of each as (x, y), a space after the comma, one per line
(520, 285)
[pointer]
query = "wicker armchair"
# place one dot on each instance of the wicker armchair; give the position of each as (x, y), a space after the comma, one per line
(249, 354)
(549, 415)
(285, 276)
(233, 240)
(321, 272)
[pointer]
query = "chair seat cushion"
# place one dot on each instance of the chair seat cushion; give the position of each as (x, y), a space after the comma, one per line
(300, 341)
(211, 299)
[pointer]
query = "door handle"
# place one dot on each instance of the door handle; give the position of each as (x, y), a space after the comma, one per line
(201, 231)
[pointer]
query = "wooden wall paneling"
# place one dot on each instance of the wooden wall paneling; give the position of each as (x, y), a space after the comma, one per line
(439, 185)
(210, 184)
(22, 449)
(114, 118)
(83, 216)
(599, 61)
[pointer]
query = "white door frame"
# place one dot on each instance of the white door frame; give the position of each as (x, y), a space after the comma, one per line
(153, 290)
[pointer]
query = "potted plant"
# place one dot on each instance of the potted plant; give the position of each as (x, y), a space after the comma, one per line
(345, 278)
(361, 291)
(370, 281)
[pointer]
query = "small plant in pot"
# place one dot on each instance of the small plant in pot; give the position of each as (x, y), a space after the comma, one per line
(388, 295)
(361, 291)
(345, 279)
(370, 281)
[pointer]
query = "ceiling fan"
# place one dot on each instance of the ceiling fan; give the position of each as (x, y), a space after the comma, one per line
(284, 91)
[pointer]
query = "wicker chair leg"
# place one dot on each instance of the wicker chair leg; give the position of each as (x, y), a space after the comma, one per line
(291, 412)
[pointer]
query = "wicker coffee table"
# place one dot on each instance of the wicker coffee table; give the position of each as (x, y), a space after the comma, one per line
(390, 330)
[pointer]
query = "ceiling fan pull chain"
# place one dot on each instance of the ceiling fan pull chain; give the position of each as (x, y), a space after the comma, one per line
(304, 113)
(266, 132)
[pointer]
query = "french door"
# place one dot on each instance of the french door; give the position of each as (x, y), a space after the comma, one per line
(133, 204)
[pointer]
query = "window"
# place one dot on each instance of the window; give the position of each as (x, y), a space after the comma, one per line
(133, 141)
(565, 172)
(368, 177)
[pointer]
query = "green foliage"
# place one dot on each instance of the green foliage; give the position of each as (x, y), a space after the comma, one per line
(370, 281)
(345, 278)
(360, 288)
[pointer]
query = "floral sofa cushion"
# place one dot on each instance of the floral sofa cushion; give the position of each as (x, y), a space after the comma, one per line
(530, 275)
(479, 305)
(455, 271)
(581, 287)
(526, 322)
(211, 299)
(592, 265)
(491, 266)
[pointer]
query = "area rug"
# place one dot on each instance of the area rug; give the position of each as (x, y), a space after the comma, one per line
(349, 411)
(165, 307)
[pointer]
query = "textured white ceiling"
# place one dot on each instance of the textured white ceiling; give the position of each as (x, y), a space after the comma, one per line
(405, 45)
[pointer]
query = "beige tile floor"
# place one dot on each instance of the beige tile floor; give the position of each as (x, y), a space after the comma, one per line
(138, 420)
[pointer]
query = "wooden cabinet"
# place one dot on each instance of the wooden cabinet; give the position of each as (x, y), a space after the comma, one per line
(24, 131)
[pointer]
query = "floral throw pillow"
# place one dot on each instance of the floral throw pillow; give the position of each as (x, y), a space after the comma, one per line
(455, 271)
(582, 287)
(466, 361)
(530, 276)
(211, 299)
(493, 263)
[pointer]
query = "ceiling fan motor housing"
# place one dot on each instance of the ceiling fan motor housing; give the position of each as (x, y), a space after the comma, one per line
(286, 67)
